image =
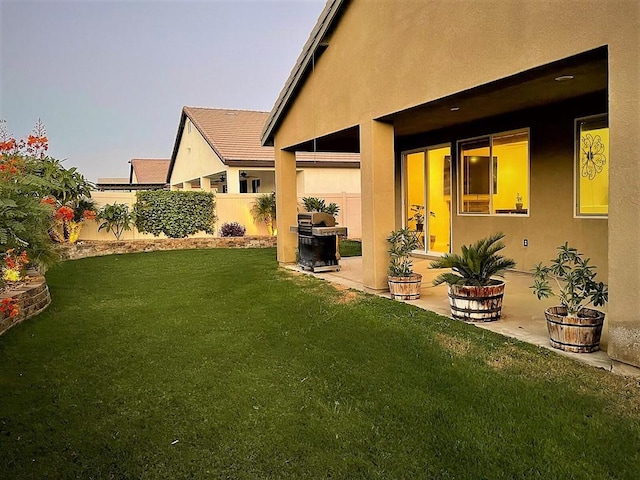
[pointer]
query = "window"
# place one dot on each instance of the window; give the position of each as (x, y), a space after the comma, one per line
(494, 174)
(592, 166)
(243, 186)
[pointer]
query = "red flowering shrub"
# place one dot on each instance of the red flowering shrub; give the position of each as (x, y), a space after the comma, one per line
(9, 307)
(64, 213)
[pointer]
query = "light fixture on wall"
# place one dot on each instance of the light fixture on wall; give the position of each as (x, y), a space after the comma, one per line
(244, 174)
(563, 78)
(454, 109)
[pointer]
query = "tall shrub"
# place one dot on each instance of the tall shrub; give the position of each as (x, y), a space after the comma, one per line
(177, 214)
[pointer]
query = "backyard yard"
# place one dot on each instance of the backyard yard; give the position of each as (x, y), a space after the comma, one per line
(218, 364)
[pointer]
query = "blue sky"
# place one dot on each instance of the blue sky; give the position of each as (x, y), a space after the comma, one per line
(109, 78)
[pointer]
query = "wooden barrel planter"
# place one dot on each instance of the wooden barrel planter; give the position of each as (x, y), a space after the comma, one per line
(405, 288)
(476, 304)
(571, 334)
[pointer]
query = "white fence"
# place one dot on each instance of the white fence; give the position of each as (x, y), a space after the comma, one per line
(230, 207)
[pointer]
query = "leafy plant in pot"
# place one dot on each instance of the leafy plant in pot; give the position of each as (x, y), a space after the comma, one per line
(418, 216)
(474, 295)
(404, 284)
(572, 326)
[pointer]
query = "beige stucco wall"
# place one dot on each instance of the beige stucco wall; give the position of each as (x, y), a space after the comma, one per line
(386, 56)
(230, 207)
(195, 158)
(330, 180)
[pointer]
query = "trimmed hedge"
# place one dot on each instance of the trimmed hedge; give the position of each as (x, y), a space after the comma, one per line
(177, 214)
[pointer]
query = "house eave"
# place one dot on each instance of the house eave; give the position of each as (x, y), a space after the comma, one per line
(331, 13)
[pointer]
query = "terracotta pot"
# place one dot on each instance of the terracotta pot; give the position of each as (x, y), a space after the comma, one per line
(405, 288)
(575, 334)
(476, 304)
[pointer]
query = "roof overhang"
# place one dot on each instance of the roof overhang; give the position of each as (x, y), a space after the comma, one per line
(536, 87)
(543, 85)
(303, 66)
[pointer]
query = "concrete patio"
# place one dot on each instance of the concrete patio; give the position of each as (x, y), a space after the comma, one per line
(522, 313)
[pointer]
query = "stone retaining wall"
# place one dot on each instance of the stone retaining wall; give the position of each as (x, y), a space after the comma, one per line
(32, 298)
(96, 248)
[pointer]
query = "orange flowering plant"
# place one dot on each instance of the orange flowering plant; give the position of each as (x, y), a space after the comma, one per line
(9, 308)
(33, 189)
(14, 267)
(14, 270)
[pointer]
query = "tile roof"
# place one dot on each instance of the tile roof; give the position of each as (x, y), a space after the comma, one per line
(235, 137)
(150, 170)
(233, 134)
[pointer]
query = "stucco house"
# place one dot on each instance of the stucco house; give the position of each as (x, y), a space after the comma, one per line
(144, 174)
(519, 117)
(149, 171)
(220, 149)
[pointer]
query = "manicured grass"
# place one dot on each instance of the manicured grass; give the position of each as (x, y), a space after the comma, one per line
(350, 248)
(216, 364)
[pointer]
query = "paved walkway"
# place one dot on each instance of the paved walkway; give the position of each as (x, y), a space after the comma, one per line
(522, 313)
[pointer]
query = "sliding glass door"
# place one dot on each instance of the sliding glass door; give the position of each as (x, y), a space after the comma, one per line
(427, 197)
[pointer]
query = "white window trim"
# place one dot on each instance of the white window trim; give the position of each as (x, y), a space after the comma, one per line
(576, 163)
(459, 191)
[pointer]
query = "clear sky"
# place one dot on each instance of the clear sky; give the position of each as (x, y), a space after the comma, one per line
(109, 78)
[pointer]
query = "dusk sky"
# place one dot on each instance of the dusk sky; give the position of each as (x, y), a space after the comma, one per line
(109, 78)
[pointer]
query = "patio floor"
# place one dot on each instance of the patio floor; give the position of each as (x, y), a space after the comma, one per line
(522, 313)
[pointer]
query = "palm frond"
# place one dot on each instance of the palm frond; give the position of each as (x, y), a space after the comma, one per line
(476, 264)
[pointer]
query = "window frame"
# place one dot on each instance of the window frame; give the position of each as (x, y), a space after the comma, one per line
(576, 168)
(460, 174)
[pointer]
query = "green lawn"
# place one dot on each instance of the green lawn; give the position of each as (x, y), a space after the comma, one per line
(350, 248)
(216, 364)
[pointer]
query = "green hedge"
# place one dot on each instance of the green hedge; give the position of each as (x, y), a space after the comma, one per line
(177, 214)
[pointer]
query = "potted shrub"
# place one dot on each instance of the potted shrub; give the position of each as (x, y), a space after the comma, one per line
(404, 284)
(418, 216)
(572, 326)
(474, 295)
(519, 203)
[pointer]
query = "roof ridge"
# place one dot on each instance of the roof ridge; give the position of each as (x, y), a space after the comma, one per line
(226, 109)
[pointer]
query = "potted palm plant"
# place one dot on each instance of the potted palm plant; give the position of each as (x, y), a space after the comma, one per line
(404, 284)
(572, 326)
(474, 295)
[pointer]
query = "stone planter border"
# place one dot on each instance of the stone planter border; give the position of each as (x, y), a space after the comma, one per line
(32, 297)
(96, 248)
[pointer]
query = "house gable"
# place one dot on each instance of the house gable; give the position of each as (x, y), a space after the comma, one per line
(193, 156)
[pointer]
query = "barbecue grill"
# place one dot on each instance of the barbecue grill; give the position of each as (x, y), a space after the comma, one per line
(317, 241)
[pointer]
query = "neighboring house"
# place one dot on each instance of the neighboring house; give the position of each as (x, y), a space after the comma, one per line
(112, 183)
(144, 174)
(220, 149)
(149, 171)
(521, 117)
